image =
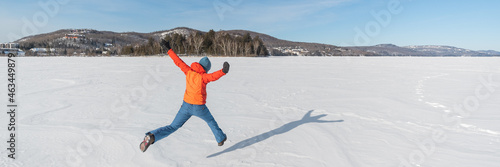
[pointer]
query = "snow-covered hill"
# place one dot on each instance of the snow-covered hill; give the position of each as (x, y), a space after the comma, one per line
(438, 50)
(180, 30)
(489, 52)
(423, 50)
(277, 111)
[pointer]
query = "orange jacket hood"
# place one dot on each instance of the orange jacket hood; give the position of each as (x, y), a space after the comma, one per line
(197, 67)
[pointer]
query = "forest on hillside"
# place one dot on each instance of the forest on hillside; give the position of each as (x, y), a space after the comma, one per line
(210, 43)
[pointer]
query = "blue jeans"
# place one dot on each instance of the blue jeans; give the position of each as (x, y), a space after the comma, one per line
(187, 110)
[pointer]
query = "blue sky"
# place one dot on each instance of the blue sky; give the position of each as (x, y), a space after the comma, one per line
(461, 23)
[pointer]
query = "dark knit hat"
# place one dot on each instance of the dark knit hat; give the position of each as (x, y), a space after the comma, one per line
(205, 62)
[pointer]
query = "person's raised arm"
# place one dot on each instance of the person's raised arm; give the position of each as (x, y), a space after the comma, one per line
(217, 74)
(177, 61)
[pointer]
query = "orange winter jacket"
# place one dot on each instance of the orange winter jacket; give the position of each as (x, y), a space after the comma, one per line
(196, 80)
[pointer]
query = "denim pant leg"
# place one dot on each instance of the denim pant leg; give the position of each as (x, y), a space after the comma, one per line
(179, 120)
(203, 112)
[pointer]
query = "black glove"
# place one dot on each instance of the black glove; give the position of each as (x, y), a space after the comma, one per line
(165, 45)
(225, 68)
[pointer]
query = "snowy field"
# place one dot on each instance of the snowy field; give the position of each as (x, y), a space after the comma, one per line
(277, 111)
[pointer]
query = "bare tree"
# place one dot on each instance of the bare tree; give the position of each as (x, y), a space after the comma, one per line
(241, 48)
(248, 48)
(218, 40)
(197, 41)
(256, 45)
(225, 43)
(259, 47)
(234, 48)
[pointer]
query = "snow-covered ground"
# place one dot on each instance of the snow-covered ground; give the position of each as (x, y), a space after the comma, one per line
(277, 111)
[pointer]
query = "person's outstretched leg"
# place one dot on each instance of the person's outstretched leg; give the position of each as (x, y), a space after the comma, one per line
(203, 112)
(179, 120)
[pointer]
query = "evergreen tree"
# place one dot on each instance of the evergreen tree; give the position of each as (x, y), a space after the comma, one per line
(127, 50)
(213, 43)
(208, 42)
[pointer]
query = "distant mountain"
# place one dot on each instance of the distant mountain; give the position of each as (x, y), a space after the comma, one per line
(423, 50)
(436, 50)
(387, 50)
(489, 52)
(81, 41)
(94, 42)
(286, 47)
(179, 30)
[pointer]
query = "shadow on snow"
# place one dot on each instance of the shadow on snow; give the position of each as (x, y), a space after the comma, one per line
(283, 129)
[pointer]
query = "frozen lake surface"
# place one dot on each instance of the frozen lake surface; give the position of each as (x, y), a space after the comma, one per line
(277, 111)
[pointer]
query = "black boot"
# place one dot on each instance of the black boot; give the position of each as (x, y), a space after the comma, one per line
(148, 140)
(222, 142)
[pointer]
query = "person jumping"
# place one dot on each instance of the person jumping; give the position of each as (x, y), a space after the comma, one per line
(195, 96)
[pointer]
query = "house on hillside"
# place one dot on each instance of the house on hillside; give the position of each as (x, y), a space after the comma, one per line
(43, 51)
(293, 51)
(6, 48)
(9, 45)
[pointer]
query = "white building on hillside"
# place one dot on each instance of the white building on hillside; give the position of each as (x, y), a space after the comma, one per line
(9, 45)
(42, 50)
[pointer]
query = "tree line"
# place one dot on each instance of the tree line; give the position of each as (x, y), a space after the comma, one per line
(211, 43)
